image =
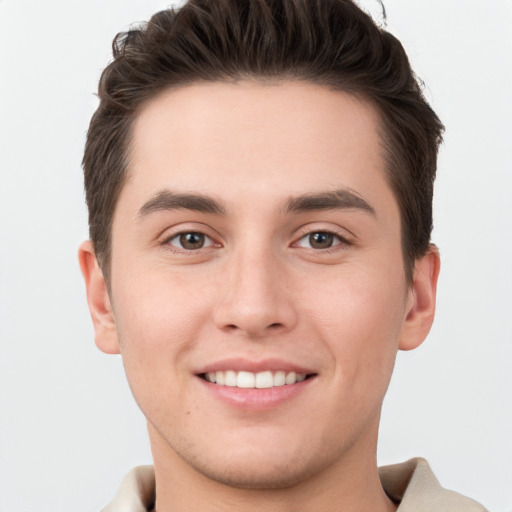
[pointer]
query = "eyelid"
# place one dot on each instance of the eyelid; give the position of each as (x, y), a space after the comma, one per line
(344, 235)
(335, 246)
(183, 228)
(169, 239)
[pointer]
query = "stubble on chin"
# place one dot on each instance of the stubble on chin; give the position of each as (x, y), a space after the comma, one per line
(252, 470)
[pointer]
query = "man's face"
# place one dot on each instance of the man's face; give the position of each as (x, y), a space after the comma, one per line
(256, 242)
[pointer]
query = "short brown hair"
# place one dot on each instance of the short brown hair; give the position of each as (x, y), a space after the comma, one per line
(332, 43)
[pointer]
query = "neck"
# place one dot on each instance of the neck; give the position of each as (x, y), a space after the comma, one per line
(352, 484)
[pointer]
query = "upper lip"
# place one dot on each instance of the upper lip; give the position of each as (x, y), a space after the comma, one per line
(254, 366)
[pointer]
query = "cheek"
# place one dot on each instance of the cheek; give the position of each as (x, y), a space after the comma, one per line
(157, 307)
(157, 328)
(359, 316)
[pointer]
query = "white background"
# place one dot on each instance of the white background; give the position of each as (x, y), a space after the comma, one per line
(69, 428)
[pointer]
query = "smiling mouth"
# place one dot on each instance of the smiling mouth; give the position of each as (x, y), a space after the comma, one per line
(250, 380)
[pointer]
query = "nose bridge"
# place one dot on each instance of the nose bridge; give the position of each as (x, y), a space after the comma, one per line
(254, 298)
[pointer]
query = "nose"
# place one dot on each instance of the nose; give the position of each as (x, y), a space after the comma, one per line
(255, 299)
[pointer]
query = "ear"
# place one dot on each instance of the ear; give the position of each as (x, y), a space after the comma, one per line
(421, 302)
(102, 315)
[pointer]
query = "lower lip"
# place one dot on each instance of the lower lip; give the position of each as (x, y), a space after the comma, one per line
(255, 398)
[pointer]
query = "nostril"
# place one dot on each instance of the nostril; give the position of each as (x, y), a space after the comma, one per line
(275, 325)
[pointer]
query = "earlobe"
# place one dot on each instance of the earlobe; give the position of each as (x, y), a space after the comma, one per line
(421, 304)
(98, 300)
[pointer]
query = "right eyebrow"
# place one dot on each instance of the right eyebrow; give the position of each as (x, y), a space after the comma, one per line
(166, 200)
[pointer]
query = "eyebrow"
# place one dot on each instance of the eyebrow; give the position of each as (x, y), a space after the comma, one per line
(167, 200)
(332, 200)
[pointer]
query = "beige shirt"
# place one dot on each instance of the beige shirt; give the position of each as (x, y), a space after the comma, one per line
(412, 484)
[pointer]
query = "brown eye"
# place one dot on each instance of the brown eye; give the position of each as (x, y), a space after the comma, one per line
(321, 240)
(190, 241)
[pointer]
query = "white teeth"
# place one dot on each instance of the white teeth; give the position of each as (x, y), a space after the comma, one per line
(291, 378)
(279, 378)
(264, 380)
(260, 380)
(230, 378)
(245, 380)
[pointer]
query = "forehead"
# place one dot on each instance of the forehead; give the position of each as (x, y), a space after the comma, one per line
(258, 139)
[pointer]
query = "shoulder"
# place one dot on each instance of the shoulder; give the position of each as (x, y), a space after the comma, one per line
(136, 492)
(415, 487)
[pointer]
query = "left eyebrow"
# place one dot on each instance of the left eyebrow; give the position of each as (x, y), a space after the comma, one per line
(331, 200)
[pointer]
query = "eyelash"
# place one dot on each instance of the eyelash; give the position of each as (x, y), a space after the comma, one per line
(339, 243)
(208, 240)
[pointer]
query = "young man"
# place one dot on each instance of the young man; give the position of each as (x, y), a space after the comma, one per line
(259, 181)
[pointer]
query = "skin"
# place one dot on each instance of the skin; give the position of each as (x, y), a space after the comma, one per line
(260, 289)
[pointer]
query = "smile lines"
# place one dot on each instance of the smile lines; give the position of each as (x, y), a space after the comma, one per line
(260, 380)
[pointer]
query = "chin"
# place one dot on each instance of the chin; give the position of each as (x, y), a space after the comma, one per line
(257, 465)
(257, 475)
